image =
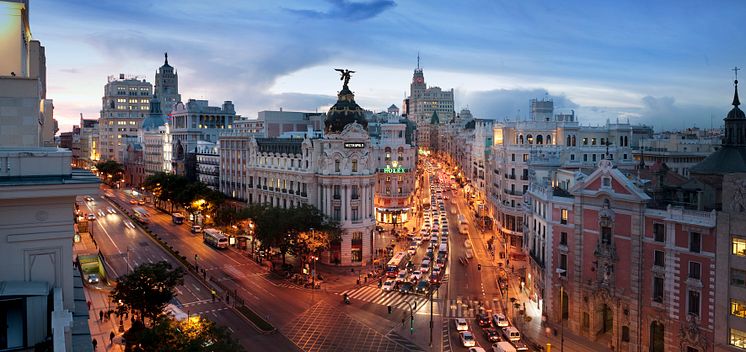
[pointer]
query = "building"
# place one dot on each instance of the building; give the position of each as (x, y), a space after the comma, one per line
(423, 101)
(66, 139)
(155, 139)
(614, 270)
(208, 164)
(335, 173)
(193, 122)
(678, 150)
(125, 104)
(396, 172)
(167, 86)
(134, 165)
(88, 143)
(38, 291)
(725, 171)
(272, 124)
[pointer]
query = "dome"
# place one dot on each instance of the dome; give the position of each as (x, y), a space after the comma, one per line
(345, 111)
(155, 118)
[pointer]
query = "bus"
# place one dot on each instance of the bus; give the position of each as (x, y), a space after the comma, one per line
(177, 218)
(215, 238)
(398, 262)
(141, 215)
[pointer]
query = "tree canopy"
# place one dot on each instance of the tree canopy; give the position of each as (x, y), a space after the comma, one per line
(147, 289)
(176, 189)
(194, 334)
(111, 169)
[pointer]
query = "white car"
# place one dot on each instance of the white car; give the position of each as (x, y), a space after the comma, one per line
(467, 339)
(388, 285)
(416, 276)
(101, 213)
(469, 254)
(412, 250)
(434, 238)
(467, 244)
(461, 324)
(91, 216)
(476, 349)
(402, 276)
(110, 210)
(129, 224)
(499, 320)
(436, 270)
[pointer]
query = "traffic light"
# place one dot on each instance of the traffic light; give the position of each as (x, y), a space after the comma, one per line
(479, 267)
(389, 309)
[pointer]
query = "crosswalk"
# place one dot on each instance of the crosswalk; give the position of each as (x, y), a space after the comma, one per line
(373, 294)
(469, 308)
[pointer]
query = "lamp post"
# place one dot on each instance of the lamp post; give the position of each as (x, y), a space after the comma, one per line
(561, 271)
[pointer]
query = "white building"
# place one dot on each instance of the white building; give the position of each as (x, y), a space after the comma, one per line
(125, 104)
(678, 150)
(192, 122)
(208, 163)
(37, 196)
(155, 137)
(335, 173)
(423, 101)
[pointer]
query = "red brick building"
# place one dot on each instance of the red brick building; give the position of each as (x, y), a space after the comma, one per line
(632, 276)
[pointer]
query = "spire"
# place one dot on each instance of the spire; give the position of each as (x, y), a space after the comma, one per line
(166, 55)
(418, 59)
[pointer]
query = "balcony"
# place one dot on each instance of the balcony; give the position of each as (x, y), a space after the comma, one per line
(337, 196)
(511, 177)
(512, 193)
(524, 177)
(303, 194)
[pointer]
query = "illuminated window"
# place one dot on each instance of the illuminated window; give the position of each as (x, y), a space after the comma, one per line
(738, 338)
(354, 166)
(564, 216)
(738, 246)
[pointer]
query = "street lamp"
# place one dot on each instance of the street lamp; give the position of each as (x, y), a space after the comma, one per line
(561, 271)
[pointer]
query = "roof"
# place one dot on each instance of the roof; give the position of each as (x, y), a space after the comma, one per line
(279, 145)
(24, 288)
(344, 112)
(726, 160)
(434, 120)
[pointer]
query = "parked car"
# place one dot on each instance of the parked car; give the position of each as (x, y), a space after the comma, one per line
(467, 339)
(461, 324)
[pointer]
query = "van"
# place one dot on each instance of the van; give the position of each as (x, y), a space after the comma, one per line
(511, 333)
(503, 346)
(196, 229)
(174, 311)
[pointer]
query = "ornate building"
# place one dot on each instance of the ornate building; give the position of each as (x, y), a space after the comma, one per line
(167, 86)
(334, 173)
(425, 101)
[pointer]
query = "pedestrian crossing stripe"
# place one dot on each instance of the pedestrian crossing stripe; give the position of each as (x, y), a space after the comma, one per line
(469, 308)
(375, 295)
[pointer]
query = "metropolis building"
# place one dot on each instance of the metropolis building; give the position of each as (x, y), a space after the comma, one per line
(335, 173)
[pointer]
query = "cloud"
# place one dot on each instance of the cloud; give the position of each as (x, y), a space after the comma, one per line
(348, 10)
(509, 103)
(665, 112)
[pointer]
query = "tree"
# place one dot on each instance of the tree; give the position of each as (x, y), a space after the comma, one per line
(147, 289)
(111, 169)
(193, 334)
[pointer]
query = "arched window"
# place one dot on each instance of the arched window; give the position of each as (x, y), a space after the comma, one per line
(388, 153)
(574, 142)
(626, 142)
(400, 154)
(520, 138)
(621, 141)
(539, 139)
(569, 140)
(549, 139)
(530, 139)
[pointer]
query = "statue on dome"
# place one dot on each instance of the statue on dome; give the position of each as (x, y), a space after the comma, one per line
(346, 74)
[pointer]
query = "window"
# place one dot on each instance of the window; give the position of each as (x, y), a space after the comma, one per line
(585, 157)
(605, 181)
(605, 235)
(336, 165)
(563, 217)
(525, 157)
(355, 214)
(659, 234)
(695, 271)
(585, 140)
(695, 242)
(355, 192)
(693, 302)
(337, 192)
(512, 156)
(337, 213)
(572, 157)
(738, 338)
(738, 277)
(659, 258)
(354, 166)
(738, 246)
(593, 141)
(738, 308)
(357, 247)
(658, 289)
(563, 238)
(563, 265)
(625, 333)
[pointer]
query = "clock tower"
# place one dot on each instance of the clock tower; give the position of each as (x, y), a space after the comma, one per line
(418, 86)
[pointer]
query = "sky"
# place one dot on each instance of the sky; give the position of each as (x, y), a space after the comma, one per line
(662, 63)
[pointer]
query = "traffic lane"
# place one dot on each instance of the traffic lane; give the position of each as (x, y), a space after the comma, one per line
(248, 337)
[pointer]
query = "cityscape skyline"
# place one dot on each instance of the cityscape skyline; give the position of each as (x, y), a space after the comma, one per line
(578, 54)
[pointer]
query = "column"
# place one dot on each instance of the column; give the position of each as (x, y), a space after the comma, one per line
(345, 202)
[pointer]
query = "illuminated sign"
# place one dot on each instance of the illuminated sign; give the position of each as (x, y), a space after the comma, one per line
(394, 170)
(354, 145)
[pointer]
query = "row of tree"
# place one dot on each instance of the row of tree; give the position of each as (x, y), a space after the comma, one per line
(112, 171)
(302, 231)
(194, 196)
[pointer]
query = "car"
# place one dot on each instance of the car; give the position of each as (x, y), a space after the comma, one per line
(405, 288)
(101, 213)
(484, 320)
(436, 269)
(476, 349)
(110, 210)
(434, 238)
(92, 279)
(129, 224)
(469, 254)
(402, 276)
(434, 278)
(491, 334)
(133, 201)
(499, 320)
(461, 324)
(196, 229)
(422, 286)
(91, 216)
(412, 250)
(388, 285)
(467, 339)
(425, 266)
(519, 346)
(89, 198)
(418, 239)
(511, 334)
(467, 244)
(141, 202)
(502, 346)
(429, 252)
(454, 211)
(410, 266)
(416, 276)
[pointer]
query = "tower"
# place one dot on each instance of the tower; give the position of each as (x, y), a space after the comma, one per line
(167, 85)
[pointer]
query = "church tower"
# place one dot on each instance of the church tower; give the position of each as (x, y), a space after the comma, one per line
(167, 86)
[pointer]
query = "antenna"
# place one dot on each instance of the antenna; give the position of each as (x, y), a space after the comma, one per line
(418, 59)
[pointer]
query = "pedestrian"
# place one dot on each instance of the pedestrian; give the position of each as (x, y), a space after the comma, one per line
(111, 338)
(89, 305)
(100, 315)
(95, 343)
(108, 314)
(126, 314)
